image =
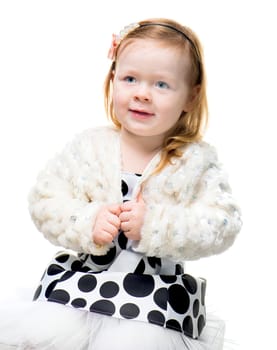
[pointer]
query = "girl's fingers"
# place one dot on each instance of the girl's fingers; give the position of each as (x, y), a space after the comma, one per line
(126, 206)
(114, 209)
(124, 216)
(114, 220)
(102, 237)
(125, 226)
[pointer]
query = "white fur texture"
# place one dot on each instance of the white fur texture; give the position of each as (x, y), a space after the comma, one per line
(190, 210)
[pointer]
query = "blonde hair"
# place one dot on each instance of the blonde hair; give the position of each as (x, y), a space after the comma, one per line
(191, 125)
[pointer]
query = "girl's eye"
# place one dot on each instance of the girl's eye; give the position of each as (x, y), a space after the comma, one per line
(130, 79)
(162, 85)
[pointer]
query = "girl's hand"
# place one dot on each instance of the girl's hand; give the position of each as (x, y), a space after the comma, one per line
(131, 217)
(106, 225)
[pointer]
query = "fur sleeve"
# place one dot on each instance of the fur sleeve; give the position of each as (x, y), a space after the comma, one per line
(59, 203)
(206, 225)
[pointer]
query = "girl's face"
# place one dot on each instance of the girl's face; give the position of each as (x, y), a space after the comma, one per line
(151, 87)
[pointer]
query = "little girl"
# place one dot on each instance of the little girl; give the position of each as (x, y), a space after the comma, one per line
(131, 202)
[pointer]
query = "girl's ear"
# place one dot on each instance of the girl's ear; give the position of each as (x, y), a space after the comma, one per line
(113, 71)
(191, 99)
(112, 76)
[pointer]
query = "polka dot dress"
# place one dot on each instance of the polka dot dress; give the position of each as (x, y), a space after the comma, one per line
(147, 289)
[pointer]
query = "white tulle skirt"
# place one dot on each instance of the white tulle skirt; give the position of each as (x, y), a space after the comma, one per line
(26, 325)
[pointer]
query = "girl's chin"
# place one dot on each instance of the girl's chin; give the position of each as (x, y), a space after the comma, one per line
(141, 132)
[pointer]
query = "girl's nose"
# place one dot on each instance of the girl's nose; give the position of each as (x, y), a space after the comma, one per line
(142, 93)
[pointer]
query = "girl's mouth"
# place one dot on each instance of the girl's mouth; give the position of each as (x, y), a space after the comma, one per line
(140, 114)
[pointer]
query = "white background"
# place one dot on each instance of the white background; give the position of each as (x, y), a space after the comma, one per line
(52, 66)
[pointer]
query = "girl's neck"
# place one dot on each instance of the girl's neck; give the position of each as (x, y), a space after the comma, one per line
(137, 151)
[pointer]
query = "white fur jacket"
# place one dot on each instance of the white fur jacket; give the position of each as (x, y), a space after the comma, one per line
(190, 210)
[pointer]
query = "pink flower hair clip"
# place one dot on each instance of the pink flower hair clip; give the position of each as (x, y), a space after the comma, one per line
(116, 39)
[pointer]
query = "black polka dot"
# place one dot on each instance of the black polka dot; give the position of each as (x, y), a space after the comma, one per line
(153, 261)
(54, 269)
(59, 296)
(122, 240)
(190, 283)
(156, 317)
(124, 188)
(200, 323)
(87, 283)
(79, 302)
(62, 258)
(99, 271)
(188, 326)
(140, 268)
(37, 292)
(67, 275)
(129, 311)
(160, 298)
(174, 324)
(50, 287)
(138, 285)
(196, 308)
(105, 307)
(203, 292)
(85, 269)
(178, 298)
(179, 269)
(76, 265)
(104, 259)
(168, 278)
(109, 289)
